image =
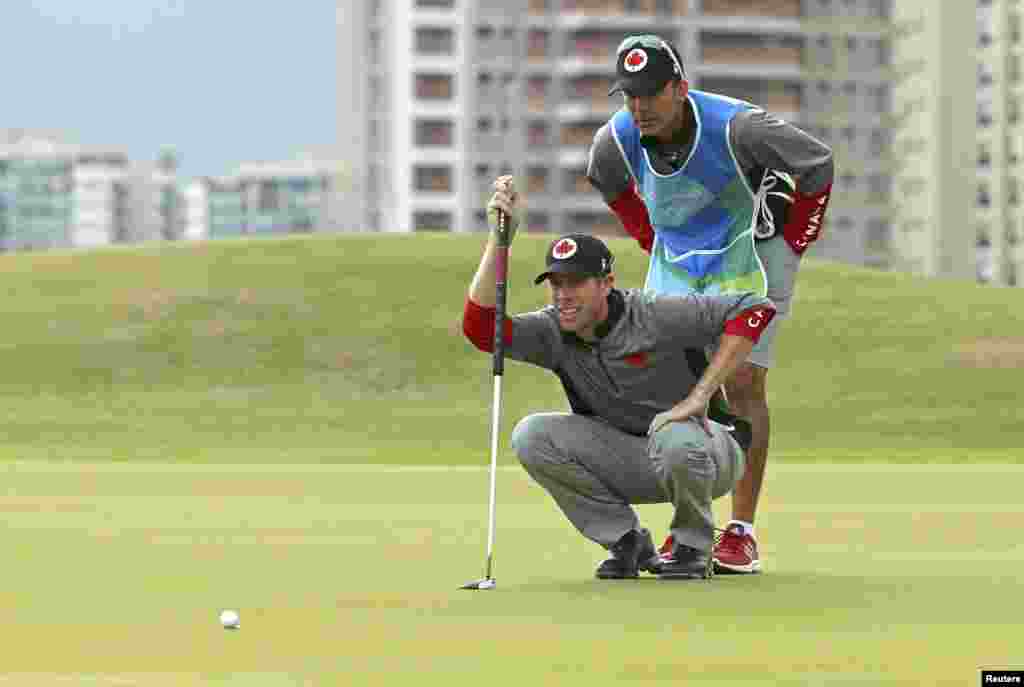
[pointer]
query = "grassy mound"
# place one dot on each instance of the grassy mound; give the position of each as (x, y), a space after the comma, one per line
(349, 349)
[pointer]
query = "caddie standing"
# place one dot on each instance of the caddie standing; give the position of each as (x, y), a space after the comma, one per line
(639, 430)
(726, 198)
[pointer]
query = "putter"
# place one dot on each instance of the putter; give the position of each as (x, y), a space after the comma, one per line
(501, 269)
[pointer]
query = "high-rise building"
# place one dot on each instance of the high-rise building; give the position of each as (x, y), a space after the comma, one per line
(437, 97)
(934, 148)
(54, 193)
(998, 208)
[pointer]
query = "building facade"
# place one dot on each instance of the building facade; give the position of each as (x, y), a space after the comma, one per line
(456, 92)
(998, 208)
(58, 194)
(295, 196)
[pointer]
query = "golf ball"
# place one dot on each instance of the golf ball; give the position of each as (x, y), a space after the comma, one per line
(230, 620)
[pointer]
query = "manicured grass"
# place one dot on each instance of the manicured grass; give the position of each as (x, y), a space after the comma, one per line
(114, 574)
(347, 349)
(293, 428)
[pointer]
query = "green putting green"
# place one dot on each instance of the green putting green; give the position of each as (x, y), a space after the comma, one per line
(875, 575)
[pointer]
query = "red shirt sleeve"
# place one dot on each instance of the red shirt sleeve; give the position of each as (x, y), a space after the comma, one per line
(750, 323)
(630, 209)
(478, 326)
(803, 223)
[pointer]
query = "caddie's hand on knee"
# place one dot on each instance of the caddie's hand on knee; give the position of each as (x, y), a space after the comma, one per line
(692, 408)
(505, 198)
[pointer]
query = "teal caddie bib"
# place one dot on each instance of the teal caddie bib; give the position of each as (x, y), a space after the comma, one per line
(703, 213)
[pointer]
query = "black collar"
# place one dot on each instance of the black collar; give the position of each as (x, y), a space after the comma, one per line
(616, 308)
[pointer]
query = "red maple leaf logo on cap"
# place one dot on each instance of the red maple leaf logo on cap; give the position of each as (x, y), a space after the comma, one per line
(635, 59)
(564, 247)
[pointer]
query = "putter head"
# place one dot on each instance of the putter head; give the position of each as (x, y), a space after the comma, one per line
(487, 583)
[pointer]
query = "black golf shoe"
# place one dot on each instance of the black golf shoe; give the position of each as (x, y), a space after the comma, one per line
(685, 563)
(632, 553)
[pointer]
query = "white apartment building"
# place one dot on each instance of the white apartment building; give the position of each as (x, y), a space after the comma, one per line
(55, 193)
(999, 211)
(437, 97)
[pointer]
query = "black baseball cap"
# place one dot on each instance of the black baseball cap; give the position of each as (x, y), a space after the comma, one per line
(644, 64)
(578, 254)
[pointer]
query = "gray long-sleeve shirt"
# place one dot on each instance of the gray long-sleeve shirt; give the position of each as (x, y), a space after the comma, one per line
(642, 361)
(759, 140)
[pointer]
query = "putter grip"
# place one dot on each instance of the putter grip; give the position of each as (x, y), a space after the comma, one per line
(501, 274)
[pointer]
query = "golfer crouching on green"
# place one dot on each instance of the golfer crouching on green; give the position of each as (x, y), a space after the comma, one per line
(641, 427)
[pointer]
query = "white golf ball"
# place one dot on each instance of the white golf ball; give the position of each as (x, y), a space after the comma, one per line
(230, 620)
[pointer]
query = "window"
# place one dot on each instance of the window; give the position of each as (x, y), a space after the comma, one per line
(575, 181)
(537, 44)
(984, 156)
(436, 4)
(985, 77)
(269, 196)
(578, 134)
(434, 87)
(435, 41)
(432, 221)
(985, 113)
(878, 234)
(878, 187)
(433, 132)
(880, 101)
(879, 142)
(433, 178)
(536, 93)
(593, 45)
(373, 45)
(537, 180)
(538, 135)
(1013, 146)
(984, 198)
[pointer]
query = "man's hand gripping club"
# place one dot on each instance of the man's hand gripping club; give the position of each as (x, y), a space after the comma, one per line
(483, 290)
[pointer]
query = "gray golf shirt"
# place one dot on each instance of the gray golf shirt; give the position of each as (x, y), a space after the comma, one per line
(647, 357)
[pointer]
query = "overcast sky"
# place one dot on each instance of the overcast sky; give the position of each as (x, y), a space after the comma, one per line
(224, 81)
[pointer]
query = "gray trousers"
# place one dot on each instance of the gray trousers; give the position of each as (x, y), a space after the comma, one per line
(595, 472)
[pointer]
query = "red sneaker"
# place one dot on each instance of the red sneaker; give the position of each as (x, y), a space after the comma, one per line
(666, 549)
(736, 553)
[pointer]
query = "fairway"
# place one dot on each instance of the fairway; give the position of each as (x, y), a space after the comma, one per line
(346, 574)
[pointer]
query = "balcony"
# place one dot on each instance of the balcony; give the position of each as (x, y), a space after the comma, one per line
(574, 135)
(614, 12)
(752, 8)
(598, 108)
